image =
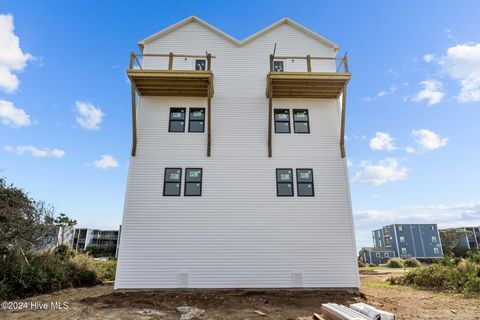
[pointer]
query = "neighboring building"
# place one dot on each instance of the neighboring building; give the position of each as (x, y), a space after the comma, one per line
(410, 240)
(83, 237)
(376, 256)
(238, 176)
(467, 238)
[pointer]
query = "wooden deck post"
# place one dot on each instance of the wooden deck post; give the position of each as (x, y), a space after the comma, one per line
(134, 122)
(271, 63)
(209, 61)
(309, 64)
(342, 130)
(170, 61)
(345, 62)
(270, 115)
(132, 57)
(209, 118)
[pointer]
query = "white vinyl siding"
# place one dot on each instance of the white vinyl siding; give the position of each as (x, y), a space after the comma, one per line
(238, 233)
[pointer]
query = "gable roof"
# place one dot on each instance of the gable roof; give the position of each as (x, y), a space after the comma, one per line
(236, 42)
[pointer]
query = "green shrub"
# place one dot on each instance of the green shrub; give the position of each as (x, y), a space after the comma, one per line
(106, 269)
(461, 278)
(396, 263)
(412, 263)
(361, 264)
(64, 252)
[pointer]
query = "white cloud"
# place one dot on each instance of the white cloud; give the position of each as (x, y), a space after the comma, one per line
(428, 58)
(387, 170)
(382, 141)
(429, 140)
(432, 92)
(13, 116)
(387, 92)
(105, 162)
(462, 63)
(35, 152)
(410, 149)
(89, 116)
(12, 58)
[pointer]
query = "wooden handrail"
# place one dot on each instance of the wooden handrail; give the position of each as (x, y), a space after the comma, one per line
(170, 56)
(343, 61)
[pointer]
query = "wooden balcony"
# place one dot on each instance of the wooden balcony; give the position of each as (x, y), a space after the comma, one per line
(197, 82)
(308, 84)
(150, 78)
(315, 84)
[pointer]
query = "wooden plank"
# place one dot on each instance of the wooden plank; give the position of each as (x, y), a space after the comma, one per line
(270, 115)
(308, 84)
(200, 82)
(313, 96)
(134, 122)
(309, 64)
(170, 61)
(342, 130)
(209, 119)
(306, 90)
(183, 94)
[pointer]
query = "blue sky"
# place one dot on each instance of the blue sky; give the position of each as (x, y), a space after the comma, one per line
(413, 102)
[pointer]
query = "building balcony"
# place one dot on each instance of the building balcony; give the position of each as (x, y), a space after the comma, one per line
(171, 74)
(307, 77)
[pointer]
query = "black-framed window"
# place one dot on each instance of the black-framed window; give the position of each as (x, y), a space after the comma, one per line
(278, 66)
(172, 181)
(177, 120)
(284, 182)
(196, 121)
(300, 121)
(282, 120)
(305, 183)
(193, 181)
(200, 64)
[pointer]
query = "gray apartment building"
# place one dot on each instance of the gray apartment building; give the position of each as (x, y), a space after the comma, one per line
(376, 256)
(409, 240)
(83, 237)
(467, 237)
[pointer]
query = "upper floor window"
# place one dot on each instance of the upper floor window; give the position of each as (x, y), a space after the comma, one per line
(305, 183)
(177, 120)
(300, 121)
(172, 181)
(278, 66)
(193, 182)
(400, 228)
(402, 239)
(200, 64)
(282, 121)
(284, 182)
(196, 121)
(387, 255)
(404, 250)
(434, 239)
(378, 254)
(435, 250)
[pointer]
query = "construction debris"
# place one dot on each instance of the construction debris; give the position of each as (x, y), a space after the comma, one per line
(260, 313)
(372, 312)
(333, 311)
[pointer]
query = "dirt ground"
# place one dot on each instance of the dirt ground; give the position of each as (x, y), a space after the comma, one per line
(101, 303)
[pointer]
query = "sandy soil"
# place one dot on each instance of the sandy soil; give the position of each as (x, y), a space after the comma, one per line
(101, 303)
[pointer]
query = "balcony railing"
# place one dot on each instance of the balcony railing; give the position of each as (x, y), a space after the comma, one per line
(136, 63)
(341, 64)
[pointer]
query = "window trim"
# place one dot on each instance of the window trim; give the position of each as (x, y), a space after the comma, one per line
(401, 239)
(277, 182)
(165, 182)
(201, 183)
(404, 250)
(434, 239)
(282, 121)
(312, 183)
(175, 120)
(436, 250)
(282, 62)
(190, 121)
(301, 121)
(195, 64)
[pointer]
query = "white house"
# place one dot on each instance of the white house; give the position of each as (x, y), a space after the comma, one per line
(238, 177)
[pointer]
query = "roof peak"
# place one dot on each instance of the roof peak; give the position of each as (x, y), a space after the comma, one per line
(233, 40)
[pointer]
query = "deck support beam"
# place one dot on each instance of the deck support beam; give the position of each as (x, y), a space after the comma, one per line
(209, 119)
(270, 115)
(342, 130)
(134, 121)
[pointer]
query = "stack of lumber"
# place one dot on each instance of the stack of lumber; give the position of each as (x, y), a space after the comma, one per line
(357, 311)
